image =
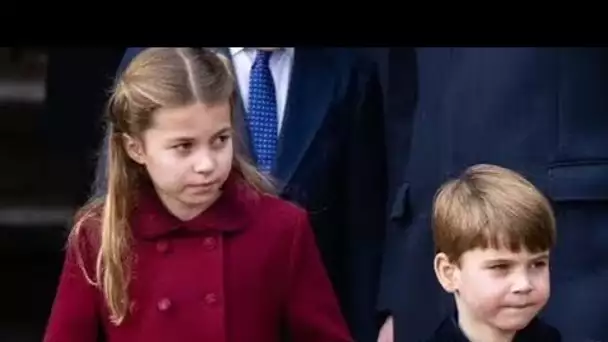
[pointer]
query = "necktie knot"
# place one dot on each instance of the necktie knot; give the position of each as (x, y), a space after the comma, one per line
(262, 57)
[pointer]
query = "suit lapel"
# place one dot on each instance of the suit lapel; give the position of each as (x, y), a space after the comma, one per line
(238, 114)
(310, 95)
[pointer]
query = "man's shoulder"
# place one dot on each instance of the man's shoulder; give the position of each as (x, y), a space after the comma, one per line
(129, 55)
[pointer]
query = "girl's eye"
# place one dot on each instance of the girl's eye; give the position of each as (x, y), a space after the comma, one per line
(183, 147)
(221, 140)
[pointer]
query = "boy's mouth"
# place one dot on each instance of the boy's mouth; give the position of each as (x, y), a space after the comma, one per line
(520, 306)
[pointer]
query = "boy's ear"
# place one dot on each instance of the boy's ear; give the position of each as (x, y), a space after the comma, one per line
(134, 148)
(446, 272)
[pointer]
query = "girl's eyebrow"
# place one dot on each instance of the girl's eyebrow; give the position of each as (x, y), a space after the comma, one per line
(182, 139)
(222, 131)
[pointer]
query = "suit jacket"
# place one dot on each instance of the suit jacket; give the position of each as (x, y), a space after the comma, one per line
(236, 272)
(331, 161)
(540, 111)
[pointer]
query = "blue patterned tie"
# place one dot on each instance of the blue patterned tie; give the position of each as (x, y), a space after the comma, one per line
(262, 114)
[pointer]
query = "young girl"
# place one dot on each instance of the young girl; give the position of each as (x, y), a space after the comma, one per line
(189, 244)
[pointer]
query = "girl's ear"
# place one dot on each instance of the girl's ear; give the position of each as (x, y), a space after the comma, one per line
(134, 148)
(447, 273)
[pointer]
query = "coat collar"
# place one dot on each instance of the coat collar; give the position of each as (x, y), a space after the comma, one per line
(535, 331)
(230, 213)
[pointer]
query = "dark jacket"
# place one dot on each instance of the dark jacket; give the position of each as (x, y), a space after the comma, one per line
(536, 331)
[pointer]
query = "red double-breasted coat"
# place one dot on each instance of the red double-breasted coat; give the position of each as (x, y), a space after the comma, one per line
(241, 271)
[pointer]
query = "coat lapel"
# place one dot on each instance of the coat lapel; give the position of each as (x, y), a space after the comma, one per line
(310, 95)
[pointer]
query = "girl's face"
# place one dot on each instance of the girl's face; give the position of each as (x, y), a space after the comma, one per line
(188, 154)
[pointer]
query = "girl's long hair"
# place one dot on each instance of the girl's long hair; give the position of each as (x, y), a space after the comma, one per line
(156, 78)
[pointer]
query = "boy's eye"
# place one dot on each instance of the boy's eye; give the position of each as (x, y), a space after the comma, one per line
(539, 264)
(499, 267)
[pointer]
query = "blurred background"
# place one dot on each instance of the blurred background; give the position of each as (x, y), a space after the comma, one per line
(51, 111)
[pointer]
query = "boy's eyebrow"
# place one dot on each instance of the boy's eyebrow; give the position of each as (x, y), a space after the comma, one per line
(540, 256)
(537, 257)
(499, 261)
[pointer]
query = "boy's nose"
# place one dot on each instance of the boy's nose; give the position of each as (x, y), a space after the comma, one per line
(522, 284)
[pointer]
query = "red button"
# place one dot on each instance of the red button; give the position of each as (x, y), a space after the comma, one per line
(164, 304)
(211, 298)
(210, 243)
(162, 246)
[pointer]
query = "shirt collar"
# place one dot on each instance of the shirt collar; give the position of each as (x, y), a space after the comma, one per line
(236, 50)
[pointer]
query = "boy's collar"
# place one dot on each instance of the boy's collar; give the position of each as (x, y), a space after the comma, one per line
(536, 330)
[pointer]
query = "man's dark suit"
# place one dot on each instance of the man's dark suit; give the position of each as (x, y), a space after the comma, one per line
(540, 111)
(331, 161)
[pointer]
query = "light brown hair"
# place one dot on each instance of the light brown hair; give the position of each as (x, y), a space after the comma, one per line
(489, 206)
(156, 78)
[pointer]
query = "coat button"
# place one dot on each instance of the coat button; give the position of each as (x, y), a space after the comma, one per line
(211, 298)
(164, 304)
(210, 243)
(162, 246)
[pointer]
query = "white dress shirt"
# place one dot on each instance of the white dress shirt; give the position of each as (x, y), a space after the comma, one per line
(280, 62)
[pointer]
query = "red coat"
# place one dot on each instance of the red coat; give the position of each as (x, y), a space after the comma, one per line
(238, 272)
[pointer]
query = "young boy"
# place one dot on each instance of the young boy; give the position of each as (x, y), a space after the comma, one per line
(493, 231)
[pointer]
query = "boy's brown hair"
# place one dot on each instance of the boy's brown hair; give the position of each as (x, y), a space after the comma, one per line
(489, 206)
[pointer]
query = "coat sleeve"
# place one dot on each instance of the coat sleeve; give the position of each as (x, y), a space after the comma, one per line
(313, 313)
(75, 313)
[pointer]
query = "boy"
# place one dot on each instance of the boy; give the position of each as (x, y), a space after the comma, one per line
(493, 231)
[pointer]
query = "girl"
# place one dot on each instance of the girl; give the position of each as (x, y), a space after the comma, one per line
(189, 244)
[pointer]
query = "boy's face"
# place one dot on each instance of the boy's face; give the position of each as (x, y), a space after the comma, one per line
(500, 288)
